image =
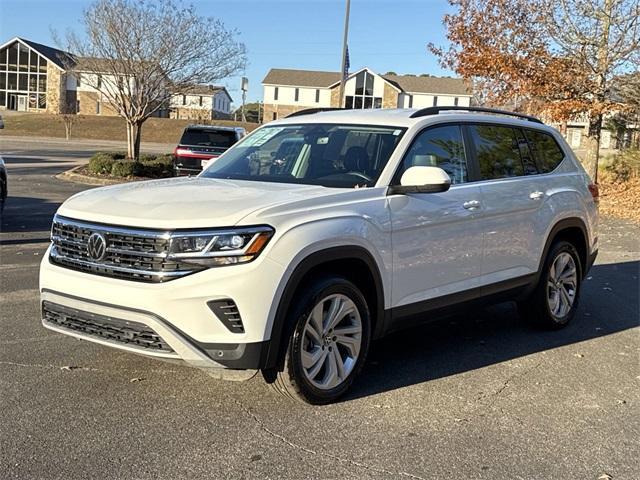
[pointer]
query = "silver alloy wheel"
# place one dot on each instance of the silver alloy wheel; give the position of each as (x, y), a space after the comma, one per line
(331, 341)
(561, 285)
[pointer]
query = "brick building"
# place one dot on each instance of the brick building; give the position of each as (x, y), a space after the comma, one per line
(287, 91)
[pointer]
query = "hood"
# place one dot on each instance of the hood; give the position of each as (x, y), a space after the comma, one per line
(188, 202)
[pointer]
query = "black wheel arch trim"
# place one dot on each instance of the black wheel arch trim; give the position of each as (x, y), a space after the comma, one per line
(563, 224)
(282, 326)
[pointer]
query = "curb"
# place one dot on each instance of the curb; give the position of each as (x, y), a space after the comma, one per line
(72, 176)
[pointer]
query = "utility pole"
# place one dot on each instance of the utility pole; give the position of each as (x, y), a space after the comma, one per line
(344, 53)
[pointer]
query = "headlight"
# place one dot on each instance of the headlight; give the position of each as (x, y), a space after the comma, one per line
(214, 248)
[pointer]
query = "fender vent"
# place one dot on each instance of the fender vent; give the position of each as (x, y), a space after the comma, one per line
(228, 313)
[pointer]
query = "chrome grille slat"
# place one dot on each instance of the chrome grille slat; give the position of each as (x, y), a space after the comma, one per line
(131, 254)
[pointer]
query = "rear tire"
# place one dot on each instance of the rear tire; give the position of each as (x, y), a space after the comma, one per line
(329, 343)
(554, 302)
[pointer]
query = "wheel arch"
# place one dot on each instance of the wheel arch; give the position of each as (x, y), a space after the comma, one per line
(575, 232)
(354, 263)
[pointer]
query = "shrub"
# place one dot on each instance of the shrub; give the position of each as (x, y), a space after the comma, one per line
(625, 164)
(101, 163)
(156, 166)
(124, 168)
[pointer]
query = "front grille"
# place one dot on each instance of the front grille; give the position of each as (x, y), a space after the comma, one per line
(131, 254)
(115, 330)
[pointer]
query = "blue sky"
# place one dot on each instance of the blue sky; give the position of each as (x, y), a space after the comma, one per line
(307, 34)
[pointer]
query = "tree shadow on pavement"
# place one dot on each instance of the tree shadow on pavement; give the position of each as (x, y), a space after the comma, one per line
(481, 337)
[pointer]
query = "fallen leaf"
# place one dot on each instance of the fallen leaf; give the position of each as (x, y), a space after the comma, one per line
(70, 367)
(605, 476)
(579, 355)
(137, 379)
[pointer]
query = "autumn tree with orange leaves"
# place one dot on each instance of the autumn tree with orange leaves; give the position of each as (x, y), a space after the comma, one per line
(557, 58)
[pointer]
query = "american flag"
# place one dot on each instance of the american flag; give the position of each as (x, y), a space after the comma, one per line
(345, 70)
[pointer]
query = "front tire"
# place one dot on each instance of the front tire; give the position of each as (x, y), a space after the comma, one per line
(554, 302)
(329, 344)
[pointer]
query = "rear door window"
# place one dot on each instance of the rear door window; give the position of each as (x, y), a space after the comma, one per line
(546, 150)
(208, 138)
(497, 150)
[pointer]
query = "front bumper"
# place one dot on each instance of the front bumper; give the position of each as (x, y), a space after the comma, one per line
(176, 311)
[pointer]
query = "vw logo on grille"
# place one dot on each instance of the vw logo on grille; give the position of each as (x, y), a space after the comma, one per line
(96, 246)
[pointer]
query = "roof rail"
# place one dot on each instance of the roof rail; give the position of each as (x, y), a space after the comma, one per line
(435, 110)
(309, 111)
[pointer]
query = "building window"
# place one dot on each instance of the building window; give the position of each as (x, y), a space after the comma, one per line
(455, 101)
(317, 95)
(78, 79)
(296, 95)
(184, 99)
(410, 101)
(435, 101)
(98, 107)
(275, 93)
(364, 93)
(274, 116)
(23, 72)
(200, 101)
(99, 82)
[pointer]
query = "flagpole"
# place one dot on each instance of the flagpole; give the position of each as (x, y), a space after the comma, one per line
(344, 53)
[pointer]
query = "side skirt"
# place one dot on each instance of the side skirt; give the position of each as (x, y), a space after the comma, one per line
(426, 311)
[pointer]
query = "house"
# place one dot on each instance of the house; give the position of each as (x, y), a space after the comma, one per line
(287, 91)
(202, 102)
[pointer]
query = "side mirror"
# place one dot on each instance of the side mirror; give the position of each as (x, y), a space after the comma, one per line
(422, 180)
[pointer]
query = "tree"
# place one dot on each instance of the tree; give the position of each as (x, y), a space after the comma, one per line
(69, 120)
(136, 54)
(557, 57)
(252, 112)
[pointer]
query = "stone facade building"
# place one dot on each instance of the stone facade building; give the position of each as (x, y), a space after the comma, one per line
(36, 78)
(203, 102)
(287, 91)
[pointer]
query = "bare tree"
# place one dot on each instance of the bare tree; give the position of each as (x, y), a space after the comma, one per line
(69, 120)
(136, 54)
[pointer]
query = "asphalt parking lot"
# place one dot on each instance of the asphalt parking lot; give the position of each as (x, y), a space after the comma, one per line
(479, 396)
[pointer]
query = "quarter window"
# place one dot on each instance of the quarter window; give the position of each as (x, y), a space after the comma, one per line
(497, 150)
(438, 147)
(546, 150)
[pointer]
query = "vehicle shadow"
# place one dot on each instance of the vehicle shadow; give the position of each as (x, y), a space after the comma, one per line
(609, 303)
(27, 214)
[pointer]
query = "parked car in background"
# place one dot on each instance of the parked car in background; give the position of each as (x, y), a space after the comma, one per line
(4, 190)
(201, 143)
(321, 232)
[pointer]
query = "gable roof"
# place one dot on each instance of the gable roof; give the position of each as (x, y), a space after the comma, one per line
(445, 85)
(404, 83)
(301, 78)
(53, 55)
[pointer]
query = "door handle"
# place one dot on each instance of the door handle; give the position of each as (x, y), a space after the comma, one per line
(536, 195)
(471, 204)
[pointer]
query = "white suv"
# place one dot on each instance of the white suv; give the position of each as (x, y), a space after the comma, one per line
(321, 232)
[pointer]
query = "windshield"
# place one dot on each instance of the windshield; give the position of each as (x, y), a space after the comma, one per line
(316, 154)
(208, 138)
